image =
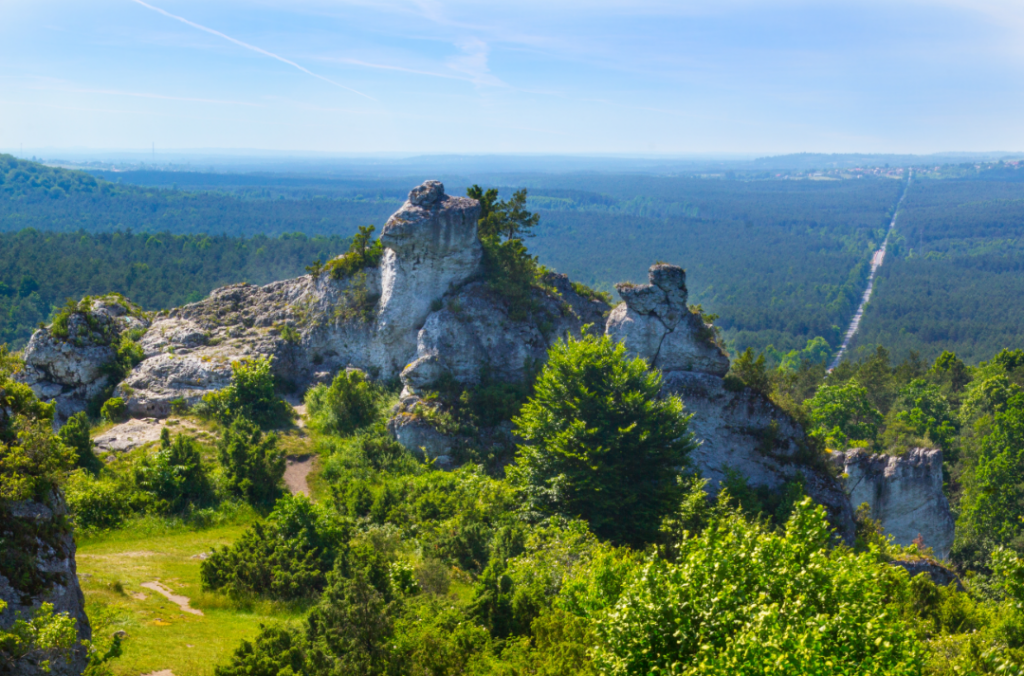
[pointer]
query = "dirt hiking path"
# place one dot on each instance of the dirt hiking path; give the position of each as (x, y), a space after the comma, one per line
(296, 472)
(180, 601)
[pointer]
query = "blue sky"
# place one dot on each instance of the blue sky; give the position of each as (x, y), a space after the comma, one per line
(537, 76)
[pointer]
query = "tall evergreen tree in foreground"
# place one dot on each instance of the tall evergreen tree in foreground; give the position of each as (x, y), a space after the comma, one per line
(601, 444)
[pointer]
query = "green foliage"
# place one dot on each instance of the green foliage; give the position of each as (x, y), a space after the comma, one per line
(103, 502)
(600, 442)
(741, 599)
(286, 557)
(990, 509)
(364, 252)
(253, 464)
(46, 637)
(751, 371)
(114, 410)
(175, 475)
(348, 403)
(75, 436)
(277, 650)
(250, 395)
(512, 273)
(842, 412)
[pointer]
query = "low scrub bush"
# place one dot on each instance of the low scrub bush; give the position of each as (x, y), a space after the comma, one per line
(286, 556)
(250, 395)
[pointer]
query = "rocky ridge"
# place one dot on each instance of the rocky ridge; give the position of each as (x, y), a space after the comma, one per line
(426, 313)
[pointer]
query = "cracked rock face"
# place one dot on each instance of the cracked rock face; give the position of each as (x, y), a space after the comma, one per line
(54, 558)
(431, 248)
(743, 431)
(905, 494)
(656, 324)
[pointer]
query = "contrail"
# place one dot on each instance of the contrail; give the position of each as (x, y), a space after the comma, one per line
(252, 47)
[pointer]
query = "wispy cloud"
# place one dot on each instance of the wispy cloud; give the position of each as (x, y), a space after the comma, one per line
(146, 95)
(251, 47)
(473, 62)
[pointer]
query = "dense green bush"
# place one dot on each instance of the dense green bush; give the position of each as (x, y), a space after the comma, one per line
(75, 435)
(114, 410)
(250, 395)
(842, 413)
(175, 475)
(252, 462)
(348, 403)
(601, 443)
(744, 600)
(286, 556)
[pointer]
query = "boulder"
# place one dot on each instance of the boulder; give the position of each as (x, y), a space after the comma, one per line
(904, 492)
(43, 528)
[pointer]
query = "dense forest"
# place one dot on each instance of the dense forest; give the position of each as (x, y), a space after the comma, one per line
(954, 279)
(40, 270)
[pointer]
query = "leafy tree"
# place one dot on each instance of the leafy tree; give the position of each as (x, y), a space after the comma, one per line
(921, 409)
(364, 252)
(37, 642)
(742, 599)
(348, 403)
(114, 410)
(990, 509)
(843, 412)
(252, 462)
(602, 445)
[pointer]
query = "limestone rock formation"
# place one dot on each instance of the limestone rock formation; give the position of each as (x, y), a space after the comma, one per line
(740, 431)
(71, 370)
(743, 431)
(905, 494)
(655, 323)
(40, 528)
(431, 248)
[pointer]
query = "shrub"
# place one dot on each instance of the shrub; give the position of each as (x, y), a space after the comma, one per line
(75, 435)
(364, 252)
(175, 475)
(250, 395)
(348, 403)
(285, 557)
(602, 444)
(114, 410)
(252, 462)
(103, 503)
(752, 372)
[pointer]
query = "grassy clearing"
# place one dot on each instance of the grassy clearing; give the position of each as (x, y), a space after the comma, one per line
(160, 635)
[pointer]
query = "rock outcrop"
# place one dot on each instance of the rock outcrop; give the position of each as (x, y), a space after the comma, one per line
(73, 368)
(40, 531)
(737, 430)
(904, 492)
(656, 324)
(426, 314)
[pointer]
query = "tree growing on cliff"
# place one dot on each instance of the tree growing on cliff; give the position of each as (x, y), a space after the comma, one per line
(601, 444)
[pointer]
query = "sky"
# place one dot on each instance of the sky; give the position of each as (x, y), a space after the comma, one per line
(529, 76)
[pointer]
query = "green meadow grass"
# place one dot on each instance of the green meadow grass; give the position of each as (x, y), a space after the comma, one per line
(160, 635)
